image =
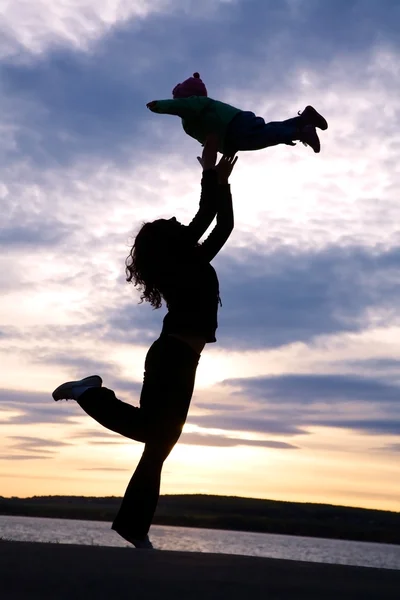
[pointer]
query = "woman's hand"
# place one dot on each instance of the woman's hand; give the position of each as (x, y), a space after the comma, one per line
(225, 167)
(210, 151)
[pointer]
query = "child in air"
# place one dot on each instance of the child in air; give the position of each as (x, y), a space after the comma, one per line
(236, 129)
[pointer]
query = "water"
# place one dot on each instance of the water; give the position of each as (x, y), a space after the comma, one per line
(66, 531)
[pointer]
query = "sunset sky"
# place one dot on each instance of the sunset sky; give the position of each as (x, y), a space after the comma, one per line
(300, 397)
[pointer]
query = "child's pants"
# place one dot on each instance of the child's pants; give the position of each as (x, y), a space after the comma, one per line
(169, 377)
(249, 132)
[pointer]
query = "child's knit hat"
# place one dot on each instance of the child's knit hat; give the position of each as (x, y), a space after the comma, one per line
(190, 87)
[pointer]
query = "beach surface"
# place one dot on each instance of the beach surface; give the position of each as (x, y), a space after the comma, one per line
(31, 571)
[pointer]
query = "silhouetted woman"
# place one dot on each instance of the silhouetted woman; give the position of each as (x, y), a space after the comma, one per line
(167, 263)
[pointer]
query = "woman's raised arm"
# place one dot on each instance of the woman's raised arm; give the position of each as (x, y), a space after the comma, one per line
(225, 221)
(209, 191)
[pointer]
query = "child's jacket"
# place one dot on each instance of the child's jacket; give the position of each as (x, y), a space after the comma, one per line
(200, 116)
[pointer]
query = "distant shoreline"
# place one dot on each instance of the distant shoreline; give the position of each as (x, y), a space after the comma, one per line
(200, 526)
(226, 513)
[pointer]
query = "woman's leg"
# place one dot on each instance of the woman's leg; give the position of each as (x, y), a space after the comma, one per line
(140, 501)
(166, 395)
(104, 407)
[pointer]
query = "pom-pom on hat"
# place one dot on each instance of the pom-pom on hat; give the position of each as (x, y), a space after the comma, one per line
(190, 87)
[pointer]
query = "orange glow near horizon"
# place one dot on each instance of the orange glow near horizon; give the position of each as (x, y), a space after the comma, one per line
(318, 473)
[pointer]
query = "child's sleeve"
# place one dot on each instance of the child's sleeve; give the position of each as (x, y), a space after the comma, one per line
(182, 107)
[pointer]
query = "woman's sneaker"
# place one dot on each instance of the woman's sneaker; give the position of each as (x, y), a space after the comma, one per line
(71, 390)
(312, 117)
(143, 544)
(309, 137)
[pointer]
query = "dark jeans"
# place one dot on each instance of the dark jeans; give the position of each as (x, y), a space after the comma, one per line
(170, 371)
(249, 132)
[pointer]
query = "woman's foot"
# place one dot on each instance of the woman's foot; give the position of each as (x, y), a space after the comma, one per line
(309, 137)
(311, 117)
(143, 544)
(71, 390)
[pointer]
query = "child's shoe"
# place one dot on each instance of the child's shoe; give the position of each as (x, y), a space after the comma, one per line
(311, 117)
(309, 137)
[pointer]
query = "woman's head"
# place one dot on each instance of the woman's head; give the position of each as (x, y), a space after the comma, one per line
(158, 245)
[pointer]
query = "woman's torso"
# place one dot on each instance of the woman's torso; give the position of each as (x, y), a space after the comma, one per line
(192, 297)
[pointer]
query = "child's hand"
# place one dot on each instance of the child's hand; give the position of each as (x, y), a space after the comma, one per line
(210, 151)
(225, 167)
(151, 105)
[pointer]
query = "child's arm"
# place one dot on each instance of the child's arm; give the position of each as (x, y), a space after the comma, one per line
(182, 107)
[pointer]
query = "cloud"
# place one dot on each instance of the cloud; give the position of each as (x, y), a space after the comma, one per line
(376, 364)
(36, 27)
(204, 439)
(110, 469)
(71, 102)
(271, 299)
(104, 436)
(293, 295)
(31, 447)
(80, 22)
(33, 408)
(93, 433)
(295, 404)
(40, 234)
(9, 332)
(13, 457)
(215, 406)
(315, 252)
(389, 426)
(287, 405)
(76, 112)
(251, 421)
(105, 442)
(313, 389)
(35, 443)
(389, 447)
(290, 420)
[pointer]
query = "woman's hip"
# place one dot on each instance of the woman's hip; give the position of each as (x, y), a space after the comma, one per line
(169, 376)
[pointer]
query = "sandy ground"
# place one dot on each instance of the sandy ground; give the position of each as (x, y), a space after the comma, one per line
(55, 571)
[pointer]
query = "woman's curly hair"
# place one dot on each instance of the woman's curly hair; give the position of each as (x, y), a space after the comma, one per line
(157, 246)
